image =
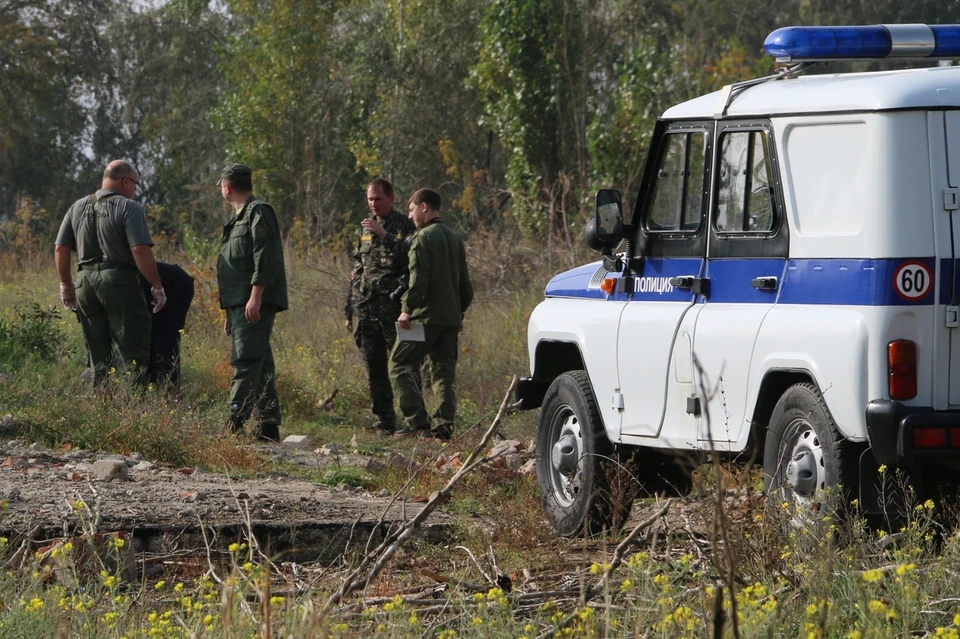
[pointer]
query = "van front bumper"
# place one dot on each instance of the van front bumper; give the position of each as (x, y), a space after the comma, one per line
(892, 429)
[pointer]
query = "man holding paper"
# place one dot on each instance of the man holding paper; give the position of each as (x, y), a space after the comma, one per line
(439, 294)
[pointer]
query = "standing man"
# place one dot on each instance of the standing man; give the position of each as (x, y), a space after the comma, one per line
(439, 294)
(108, 230)
(379, 273)
(253, 289)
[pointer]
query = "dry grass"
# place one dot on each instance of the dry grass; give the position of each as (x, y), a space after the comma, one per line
(687, 576)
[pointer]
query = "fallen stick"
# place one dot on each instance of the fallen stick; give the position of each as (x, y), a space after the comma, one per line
(358, 580)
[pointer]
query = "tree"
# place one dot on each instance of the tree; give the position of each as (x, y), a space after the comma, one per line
(527, 78)
(284, 112)
(166, 64)
(415, 119)
(44, 48)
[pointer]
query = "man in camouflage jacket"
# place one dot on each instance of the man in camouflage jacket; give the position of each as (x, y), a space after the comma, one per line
(373, 303)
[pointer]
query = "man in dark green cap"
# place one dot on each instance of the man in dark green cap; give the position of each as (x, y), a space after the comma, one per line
(108, 230)
(253, 289)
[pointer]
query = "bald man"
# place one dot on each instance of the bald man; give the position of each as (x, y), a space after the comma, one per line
(109, 233)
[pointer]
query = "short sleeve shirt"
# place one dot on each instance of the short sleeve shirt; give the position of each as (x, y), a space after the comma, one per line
(105, 230)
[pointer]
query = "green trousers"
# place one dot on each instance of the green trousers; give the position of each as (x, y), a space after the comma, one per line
(113, 313)
(440, 344)
(253, 390)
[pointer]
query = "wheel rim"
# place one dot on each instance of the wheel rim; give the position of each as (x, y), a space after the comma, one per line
(805, 471)
(566, 478)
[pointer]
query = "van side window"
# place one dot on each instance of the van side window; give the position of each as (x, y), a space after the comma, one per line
(677, 202)
(745, 191)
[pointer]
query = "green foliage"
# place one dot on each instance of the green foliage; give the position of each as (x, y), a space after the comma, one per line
(619, 147)
(349, 475)
(44, 52)
(415, 121)
(284, 111)
(32, 332)
(516, 110)
(168, 65)
(527, 45)
(200, 249)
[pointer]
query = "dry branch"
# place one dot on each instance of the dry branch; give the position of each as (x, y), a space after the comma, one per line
(361, 576)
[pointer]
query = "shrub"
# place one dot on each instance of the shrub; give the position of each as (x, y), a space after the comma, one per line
(33, 331)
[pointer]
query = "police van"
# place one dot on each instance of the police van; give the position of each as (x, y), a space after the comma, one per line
(789, 285)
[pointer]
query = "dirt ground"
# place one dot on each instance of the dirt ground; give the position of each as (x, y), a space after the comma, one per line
(52, 494)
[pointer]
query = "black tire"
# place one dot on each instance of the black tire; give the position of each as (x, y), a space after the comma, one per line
(573, 457)
(804, 452)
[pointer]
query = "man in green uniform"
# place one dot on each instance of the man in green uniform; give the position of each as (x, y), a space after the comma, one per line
(373, 303)
(253, 289)
(108, 230)
(439, 294)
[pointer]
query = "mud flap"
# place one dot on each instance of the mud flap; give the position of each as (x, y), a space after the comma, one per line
(885, 493)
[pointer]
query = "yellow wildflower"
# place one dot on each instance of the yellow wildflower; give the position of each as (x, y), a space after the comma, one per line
(872, 576)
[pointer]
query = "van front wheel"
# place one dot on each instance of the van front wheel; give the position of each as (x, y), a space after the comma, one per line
(573, 452)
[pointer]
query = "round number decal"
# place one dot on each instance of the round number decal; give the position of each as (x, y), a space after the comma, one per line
(913, 280)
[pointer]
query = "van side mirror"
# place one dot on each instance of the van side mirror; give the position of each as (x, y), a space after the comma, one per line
(605, 231)
(609, 216)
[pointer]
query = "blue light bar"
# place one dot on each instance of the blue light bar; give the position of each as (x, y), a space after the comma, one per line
(947, 38)
(804, 43)
(864, 42)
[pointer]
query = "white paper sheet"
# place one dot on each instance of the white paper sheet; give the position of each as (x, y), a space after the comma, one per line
(412, 334)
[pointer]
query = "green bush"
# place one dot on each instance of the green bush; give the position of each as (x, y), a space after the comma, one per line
(33, 331)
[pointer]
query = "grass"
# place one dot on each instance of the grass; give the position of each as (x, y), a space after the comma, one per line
(840, 582)
(729, 559)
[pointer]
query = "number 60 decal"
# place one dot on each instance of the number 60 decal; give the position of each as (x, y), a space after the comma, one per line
(913, 280)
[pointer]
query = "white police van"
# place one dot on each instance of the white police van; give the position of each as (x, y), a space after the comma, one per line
(789, 284)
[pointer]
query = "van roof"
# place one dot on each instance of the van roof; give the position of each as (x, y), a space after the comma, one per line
(936, 87)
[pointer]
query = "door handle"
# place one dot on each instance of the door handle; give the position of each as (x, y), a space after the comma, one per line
(698, 285)
(768, 283)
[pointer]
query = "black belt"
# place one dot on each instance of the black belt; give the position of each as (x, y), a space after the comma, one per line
(107, 266)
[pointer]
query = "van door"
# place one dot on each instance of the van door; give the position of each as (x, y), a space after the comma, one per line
(672, 239)
(948, 294)
(746, 256)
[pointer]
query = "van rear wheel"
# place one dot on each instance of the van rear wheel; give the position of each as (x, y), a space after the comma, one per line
(805, 458)
(573, 457)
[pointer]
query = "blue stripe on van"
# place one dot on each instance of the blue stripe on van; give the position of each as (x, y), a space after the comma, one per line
(653, 284)
(854, 282)
(730, 280)
(946, 283)
(850, 282)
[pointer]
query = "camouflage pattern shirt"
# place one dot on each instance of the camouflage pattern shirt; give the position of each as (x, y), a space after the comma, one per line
(380, 264)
